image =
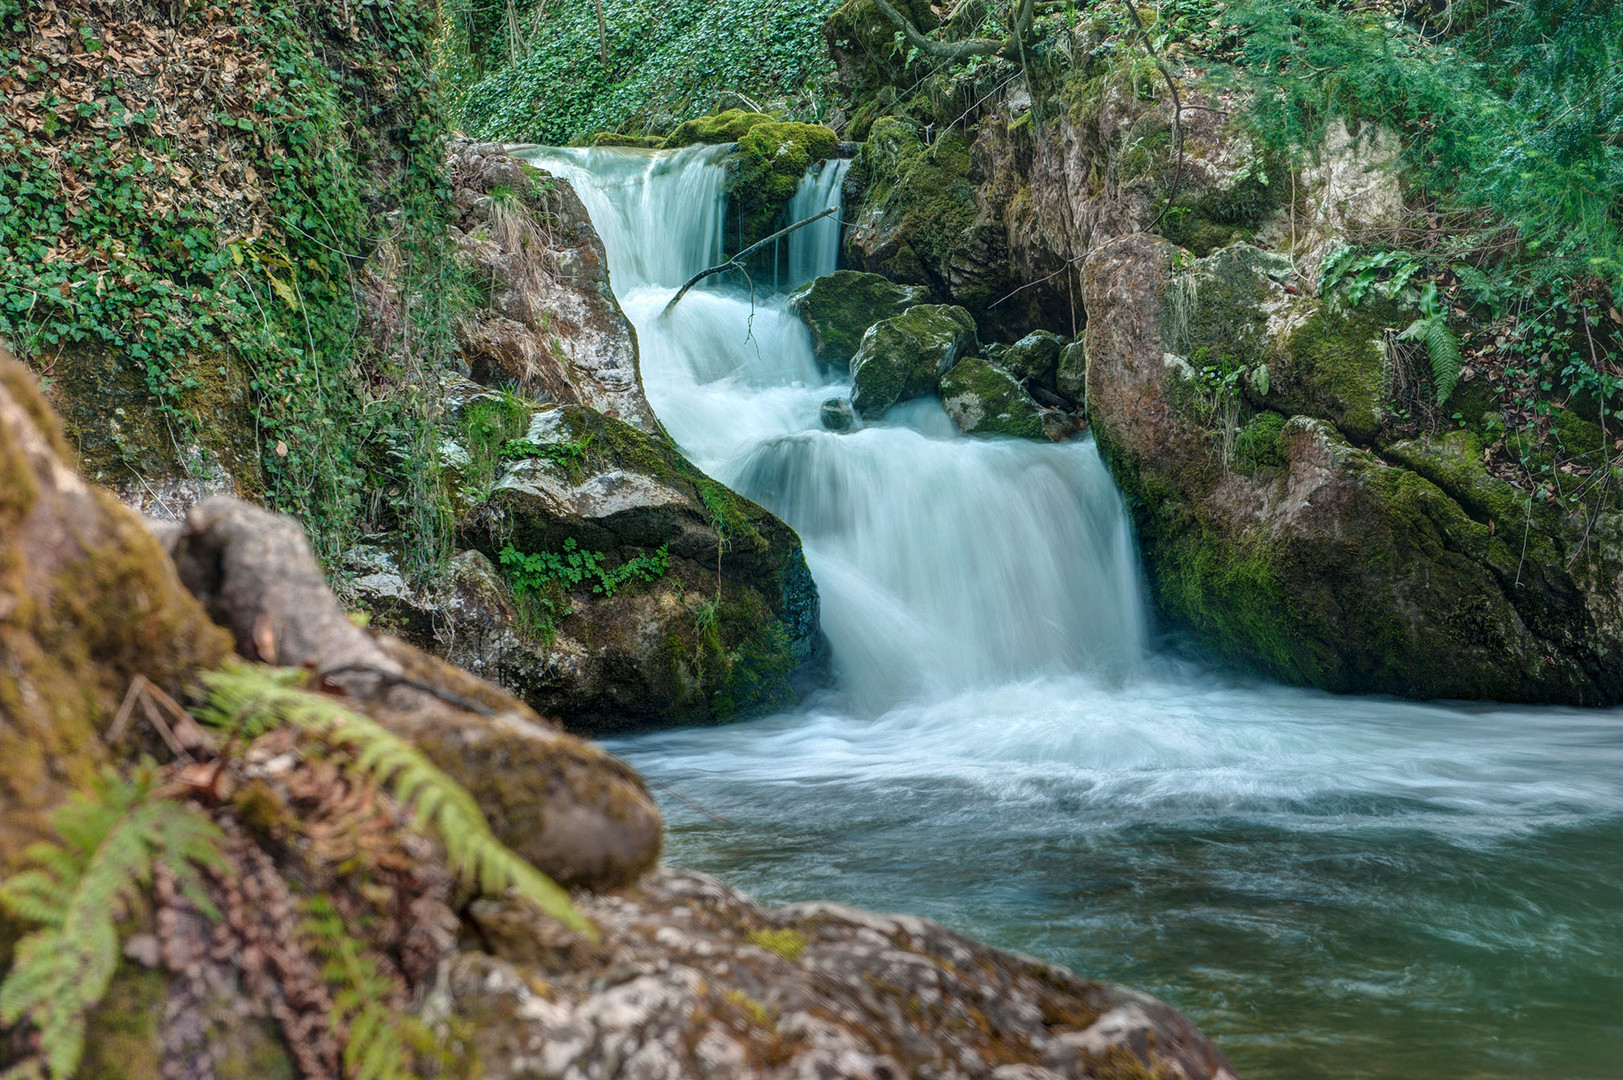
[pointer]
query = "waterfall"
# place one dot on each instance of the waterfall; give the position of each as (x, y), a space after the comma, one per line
(944, 562)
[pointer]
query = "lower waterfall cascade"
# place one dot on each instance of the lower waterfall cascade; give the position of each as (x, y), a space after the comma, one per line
(1329, 886)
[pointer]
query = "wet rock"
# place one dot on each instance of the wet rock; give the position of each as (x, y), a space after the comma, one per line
(695, 980)
(838, 308)
(1275, 538)
(1071, 372)
(577, 813)
(552, 326)
(983, 399)
(836, 415)
(1034, 359)
(764, 172)
(904, 357)
(727, 628)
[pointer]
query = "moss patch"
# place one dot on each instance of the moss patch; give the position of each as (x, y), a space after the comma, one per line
(1335, 368)
(765, 170)
(986, 400)
(723, 127)
(905, 356)
(838, 308)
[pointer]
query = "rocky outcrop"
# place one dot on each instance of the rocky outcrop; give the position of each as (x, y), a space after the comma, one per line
(1286, 530)
(838, 308)
(552, 326)
(695, 980)
(904, 357)
(681, 977)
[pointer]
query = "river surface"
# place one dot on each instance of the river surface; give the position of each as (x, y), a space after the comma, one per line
(1331, 887)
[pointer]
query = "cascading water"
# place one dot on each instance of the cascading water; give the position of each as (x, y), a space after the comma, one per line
(1333, 887)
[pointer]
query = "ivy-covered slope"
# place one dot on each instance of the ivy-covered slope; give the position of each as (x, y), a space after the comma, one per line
(554, 75)
(194, 208)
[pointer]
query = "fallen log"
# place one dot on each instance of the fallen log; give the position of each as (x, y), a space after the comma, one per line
(737, 261)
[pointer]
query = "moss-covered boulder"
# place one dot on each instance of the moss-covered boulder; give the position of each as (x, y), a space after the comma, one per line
(983, 399)
(1034, 359)
(764, 171)
(904, 357)
(1071, 372)
(636, 590)
(1275, 539)
(724, 127)
(635, 142)
(838, 308)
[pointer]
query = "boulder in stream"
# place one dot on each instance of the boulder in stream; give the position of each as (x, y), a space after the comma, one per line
(904, 357)
(838, 308)
(984, 399)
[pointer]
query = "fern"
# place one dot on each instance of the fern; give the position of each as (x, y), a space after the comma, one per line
(111, 840)
(1441, 346)
(381, 1043)
(253, 699)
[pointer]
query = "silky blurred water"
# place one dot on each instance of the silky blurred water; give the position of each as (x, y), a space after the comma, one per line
(1330, 886)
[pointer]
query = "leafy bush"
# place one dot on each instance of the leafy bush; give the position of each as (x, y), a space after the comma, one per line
(665, 61)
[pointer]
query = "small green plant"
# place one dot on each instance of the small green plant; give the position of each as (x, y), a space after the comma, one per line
(565, 454)
(572, 567)
(250, 700)
(111, 839)
(384, 1042)
(1362, 272)
(1442, 347)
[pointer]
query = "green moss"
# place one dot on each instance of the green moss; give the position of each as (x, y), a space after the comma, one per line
(1335, 368)
(923, 194)
(644, 142)
(122, 1042)
(904, 357)
(986, 400)
(787, 943)
(838, 308)
(1258, 444)
(765, 170)
(725, 127)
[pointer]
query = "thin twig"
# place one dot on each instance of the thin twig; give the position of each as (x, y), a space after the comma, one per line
(1177, 113)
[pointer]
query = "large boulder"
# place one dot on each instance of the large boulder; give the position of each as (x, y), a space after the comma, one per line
(904, 357)
(764, 172)
(984, 399)
(1034, 359)
(695, 980)
(1284, 529)
(551, 325)
(720, 623)
(838, 308)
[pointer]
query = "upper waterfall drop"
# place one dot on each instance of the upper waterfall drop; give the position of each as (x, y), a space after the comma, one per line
(945, 563)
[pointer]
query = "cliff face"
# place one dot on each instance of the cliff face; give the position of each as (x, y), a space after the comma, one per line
(1306, 507)
(326, 920)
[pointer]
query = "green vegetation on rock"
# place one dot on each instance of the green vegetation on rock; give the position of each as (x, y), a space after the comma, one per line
(904, 357)
(983, 399)
(838, 308)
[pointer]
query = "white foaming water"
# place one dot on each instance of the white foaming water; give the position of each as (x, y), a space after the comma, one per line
(1002, 751)
(944, 563)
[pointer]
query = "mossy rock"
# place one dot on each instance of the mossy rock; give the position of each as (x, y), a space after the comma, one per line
(1258, 445)
(641, 142)
(764, 172)
(986, 400)
(904, 357)
(1071, 373)
(723, 127)
(862, 42)
(1335, 367)
(838, 308)
(1034, 359)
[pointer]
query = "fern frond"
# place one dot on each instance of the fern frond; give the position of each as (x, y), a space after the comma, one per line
(255, 698)
(1442, 349)
(111, 840)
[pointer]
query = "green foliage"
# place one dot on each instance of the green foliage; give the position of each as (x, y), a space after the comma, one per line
(1441, 346)
(249, 700)
(1361, 272)
(787, 943)
(383, 1041)
(110, 841)
(665, 60)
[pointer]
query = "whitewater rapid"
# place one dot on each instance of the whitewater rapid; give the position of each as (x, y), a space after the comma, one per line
(1331, 886)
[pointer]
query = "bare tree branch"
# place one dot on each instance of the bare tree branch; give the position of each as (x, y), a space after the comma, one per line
(737, 261)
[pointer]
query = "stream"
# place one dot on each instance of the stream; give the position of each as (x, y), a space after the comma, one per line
(1335, 887)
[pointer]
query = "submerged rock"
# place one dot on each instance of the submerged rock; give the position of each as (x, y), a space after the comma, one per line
(984, 399)
(904, 357)
(695, 980)
(838, 308)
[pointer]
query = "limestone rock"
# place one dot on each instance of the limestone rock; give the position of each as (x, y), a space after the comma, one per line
(1311, 558)
(983, 399)
(904, 357)
(695, 980)
(552, 325)
(838, 308)
(728, 629)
